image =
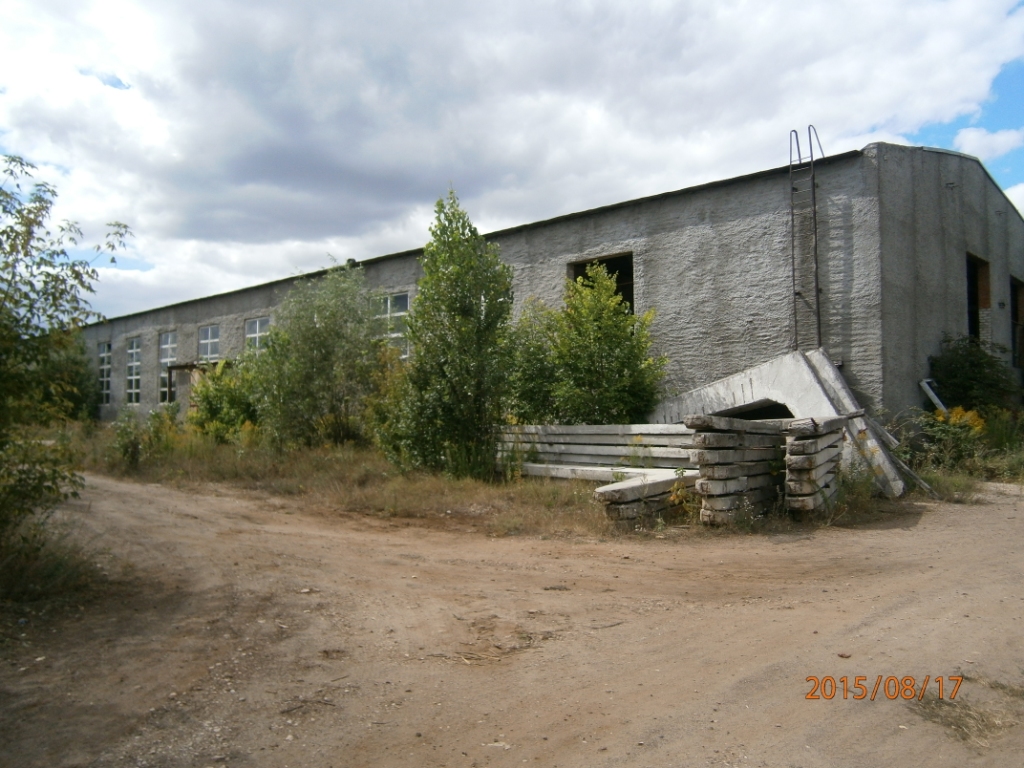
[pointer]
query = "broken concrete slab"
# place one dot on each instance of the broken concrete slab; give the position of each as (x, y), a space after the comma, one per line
(810, 386)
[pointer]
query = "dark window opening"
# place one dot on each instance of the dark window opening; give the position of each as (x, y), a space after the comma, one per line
(978, 294)
(762, 409)
(1016, 320)
(620, 267)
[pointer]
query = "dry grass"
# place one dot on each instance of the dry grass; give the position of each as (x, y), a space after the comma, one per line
(955, 487)
(357, 479)
(969, 722)
(44, 560)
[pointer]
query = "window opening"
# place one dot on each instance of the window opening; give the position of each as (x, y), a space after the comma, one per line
(394, 310)
(105, 355)
(256, 331)
(133, 390)
(620, 267)
(168, 356)
(209, 343)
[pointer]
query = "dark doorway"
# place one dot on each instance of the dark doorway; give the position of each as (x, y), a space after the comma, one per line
(978, 294)
(1016, 320)
(620, 267)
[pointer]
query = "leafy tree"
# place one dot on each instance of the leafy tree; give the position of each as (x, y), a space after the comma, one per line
(972, 374)
(309, 385)
(588, 363)
(42, 303)
(452, 391)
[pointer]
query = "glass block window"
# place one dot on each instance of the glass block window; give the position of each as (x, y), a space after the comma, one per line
(168, 356)
(256, 331)
(394, 309)
(105, 357)
(209, 343)
(133, 390)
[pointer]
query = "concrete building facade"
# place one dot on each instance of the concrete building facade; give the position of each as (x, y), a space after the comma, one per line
(903, 246)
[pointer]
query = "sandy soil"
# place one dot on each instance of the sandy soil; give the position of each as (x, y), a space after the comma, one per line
(247, 631)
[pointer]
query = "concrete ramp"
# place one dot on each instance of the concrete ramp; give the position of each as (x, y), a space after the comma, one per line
(809, 385)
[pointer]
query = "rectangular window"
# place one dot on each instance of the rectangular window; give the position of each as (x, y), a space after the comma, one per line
(256, 331)
(133, 390)
(209, 343)
(105, 369)
(393, 310)
(168, 356)
(620, 267)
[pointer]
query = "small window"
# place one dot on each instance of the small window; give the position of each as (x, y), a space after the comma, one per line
(104, 349)
(256, 331)
(394, 310)
(168, 356)
(620, 267)
(133, 390)
(209, 343)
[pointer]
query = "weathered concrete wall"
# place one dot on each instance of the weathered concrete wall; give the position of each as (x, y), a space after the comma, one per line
(938, 207)
(396, 274)
(715, 264)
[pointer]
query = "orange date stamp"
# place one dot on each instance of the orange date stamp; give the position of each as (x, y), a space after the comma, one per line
(891, 687)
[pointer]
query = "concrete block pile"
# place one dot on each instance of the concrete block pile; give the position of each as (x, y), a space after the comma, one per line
(739, 464)
(813, 452)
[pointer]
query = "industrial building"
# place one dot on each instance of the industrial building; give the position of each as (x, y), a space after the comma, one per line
(873, 255)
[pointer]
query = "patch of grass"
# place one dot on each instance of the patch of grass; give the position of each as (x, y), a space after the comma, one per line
(955, 487)
(358, 479)
(44, 561)
(969, 722)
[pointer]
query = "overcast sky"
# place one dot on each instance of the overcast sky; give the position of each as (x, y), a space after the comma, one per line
(245, 141)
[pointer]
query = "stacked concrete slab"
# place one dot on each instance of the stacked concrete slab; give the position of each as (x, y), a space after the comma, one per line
(814, 450)
(739, 464)
(642, 463)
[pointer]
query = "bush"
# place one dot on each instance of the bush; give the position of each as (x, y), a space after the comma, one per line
(589, 363)
(222, 400)
(136, 440)
(949, 440)
(448, 400)
(309, 385)
(973, 375)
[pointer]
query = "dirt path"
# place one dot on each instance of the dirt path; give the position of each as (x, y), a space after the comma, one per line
(246, 632)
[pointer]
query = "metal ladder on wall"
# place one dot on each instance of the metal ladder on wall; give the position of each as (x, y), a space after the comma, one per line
(803, 228)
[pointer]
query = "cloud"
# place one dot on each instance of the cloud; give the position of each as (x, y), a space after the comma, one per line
(256, 135)
(1016, 195)
(987, 145)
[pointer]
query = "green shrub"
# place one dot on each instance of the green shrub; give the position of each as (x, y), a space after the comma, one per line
(137, 439)
(35, 476)
(588, 363)
(309, 385)
(950, 440)
(222, 401)
(973, 375)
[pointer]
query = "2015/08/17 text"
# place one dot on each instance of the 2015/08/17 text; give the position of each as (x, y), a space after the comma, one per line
(891, 687)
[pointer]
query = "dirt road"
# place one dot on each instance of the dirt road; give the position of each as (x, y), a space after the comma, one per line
(247, 631)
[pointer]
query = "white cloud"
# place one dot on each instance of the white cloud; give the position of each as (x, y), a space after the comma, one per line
(254, 136)
(1016, 195)
(988, 146)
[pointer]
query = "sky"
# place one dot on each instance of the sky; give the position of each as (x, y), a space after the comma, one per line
(245, 141)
